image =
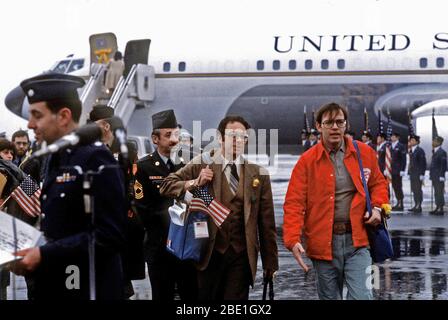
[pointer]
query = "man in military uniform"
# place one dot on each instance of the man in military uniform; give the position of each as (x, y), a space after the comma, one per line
(367, 139)
(398, 159)
(381, 144)
(437, 174)
(165, 270)
(132, 256)
(417, 167)
(60, 267)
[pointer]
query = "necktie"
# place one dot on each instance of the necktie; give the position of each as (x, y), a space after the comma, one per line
(233, 178)
(170, 165)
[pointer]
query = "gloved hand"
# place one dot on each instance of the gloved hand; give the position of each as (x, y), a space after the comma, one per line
(442, 179)
(422, 178)
(385, 172)
(402, 173)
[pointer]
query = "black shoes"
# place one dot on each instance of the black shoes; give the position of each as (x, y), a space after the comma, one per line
(416, 209)
(398, 207)
(437, 212)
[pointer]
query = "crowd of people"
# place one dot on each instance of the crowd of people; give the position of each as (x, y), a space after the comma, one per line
(128, 222)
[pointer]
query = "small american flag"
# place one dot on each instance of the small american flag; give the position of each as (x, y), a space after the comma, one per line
(203, 201)
(27, 196)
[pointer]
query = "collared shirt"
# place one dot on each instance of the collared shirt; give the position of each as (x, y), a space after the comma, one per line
(165, 159)
(345, 189)
(394, 144)
(436, 149)
(378, 148)
(238, 161)
(414, 147)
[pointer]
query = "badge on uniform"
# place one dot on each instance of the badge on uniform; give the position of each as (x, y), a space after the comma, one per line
(138, 190)
(65, 177)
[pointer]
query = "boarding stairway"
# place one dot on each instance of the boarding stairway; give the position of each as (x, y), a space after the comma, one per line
(137, 88)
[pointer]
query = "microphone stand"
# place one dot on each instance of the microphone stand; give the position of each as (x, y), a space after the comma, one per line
(89, 208)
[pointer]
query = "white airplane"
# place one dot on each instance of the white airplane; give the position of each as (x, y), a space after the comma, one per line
(378, 72)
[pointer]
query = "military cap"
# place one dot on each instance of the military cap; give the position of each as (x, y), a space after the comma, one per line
(164, 119)
(439, 139)
(413, 136)
(100, 112)
(51, 86)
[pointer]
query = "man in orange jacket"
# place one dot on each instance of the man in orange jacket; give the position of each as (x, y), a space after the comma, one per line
(326, 200)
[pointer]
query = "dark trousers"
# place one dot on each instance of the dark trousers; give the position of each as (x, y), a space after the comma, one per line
(227, 277)
(416, 187)
(398, 186)
(166, 273)
(439, 190)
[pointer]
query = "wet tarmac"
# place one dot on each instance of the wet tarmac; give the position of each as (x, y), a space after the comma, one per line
(419, 269)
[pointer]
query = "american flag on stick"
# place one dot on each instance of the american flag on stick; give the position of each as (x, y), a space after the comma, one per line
(27, 196)
(203, 201)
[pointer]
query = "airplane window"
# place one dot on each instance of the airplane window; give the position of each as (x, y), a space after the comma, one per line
(166, 66)
(440, 62)
(260, 65)
(423, 63)
(324, 64)
(276, 64)
(308, 64)
(76, 65)
(61, 66)
(182, 66)
(341, 64)
(292, 64)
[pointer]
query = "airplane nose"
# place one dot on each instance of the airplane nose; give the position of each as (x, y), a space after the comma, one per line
(14, 101)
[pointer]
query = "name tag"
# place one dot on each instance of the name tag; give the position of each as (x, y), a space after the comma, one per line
(200, 230)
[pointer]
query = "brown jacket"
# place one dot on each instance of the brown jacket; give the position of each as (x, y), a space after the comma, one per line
(258, 208)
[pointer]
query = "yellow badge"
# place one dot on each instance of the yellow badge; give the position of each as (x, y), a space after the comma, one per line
(138, 190)
(255, 183)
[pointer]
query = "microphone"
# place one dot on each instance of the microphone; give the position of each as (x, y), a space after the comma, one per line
(116, 125)
(85, 135)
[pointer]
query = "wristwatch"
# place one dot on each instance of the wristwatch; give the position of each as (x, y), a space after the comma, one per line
(192, 184)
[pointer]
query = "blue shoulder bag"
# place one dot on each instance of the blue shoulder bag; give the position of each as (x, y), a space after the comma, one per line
(379, 238)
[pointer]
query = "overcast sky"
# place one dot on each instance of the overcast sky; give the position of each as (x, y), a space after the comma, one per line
(35, 34)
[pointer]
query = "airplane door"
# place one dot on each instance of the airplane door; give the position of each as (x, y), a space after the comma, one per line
(136, 52)
(102, 47)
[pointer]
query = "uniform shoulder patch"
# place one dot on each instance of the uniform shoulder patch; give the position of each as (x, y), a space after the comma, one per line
(138, 190)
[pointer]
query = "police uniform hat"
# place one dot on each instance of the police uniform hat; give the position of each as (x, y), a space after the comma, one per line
(100, 112)
(438, 139)
(413, 136)
(164, 119)
(52, 86)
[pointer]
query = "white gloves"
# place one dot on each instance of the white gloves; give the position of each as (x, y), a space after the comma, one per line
(402, 173)
(442, 179)
(422, 178)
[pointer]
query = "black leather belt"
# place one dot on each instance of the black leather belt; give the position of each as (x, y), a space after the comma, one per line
(342, 227)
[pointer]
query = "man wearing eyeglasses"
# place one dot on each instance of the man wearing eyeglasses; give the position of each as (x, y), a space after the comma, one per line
(325, 206)
(228, 266)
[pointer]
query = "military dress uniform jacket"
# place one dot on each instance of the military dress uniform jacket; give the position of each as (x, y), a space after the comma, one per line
(417, 162)
(438, 165)
(152, 207)
(260, 231)
(381, 153)
(398, 158)
(66, 225)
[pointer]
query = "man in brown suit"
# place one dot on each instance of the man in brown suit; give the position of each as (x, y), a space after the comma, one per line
(229, 264)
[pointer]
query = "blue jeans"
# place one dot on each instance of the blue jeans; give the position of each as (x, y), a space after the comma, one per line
(350, 265)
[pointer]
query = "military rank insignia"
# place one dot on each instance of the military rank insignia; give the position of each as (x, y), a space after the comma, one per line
(65, 177)
(138, 190)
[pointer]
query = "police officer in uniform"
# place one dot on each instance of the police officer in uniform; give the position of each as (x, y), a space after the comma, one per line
(60, 267)
(437, 171)
(166, 272)
(132, 256)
